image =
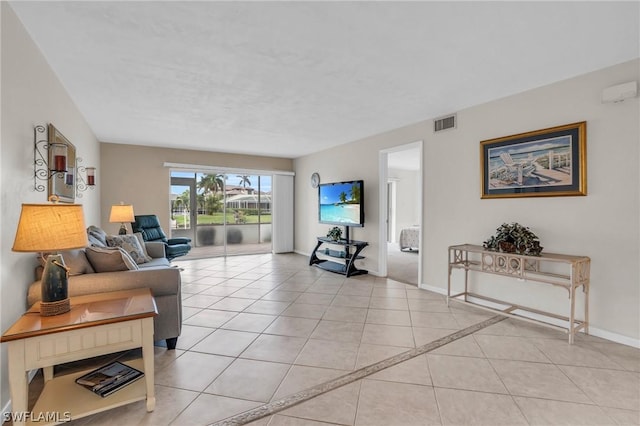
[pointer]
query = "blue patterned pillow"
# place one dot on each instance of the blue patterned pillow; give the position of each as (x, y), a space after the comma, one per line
(131, 245)
(97, 237)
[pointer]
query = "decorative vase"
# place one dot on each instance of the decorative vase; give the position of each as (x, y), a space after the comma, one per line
(54, 287)
(507, 247)
(54, 279)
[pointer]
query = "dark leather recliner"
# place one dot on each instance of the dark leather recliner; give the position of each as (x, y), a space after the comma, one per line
(149, 226)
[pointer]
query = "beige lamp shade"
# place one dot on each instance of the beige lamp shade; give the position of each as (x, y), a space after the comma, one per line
(50, 227)
(121, 213)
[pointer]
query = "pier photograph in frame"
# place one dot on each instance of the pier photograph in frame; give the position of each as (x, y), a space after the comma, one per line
(543, 163)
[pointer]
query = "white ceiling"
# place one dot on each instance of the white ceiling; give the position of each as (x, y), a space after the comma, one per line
(291, 78)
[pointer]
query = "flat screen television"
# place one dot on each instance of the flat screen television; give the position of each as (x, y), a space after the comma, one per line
(341, 203)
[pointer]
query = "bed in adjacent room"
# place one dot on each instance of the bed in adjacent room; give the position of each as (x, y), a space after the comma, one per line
(409, 238)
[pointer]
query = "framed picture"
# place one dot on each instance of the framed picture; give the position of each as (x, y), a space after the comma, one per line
(62, 184)
(544, 163)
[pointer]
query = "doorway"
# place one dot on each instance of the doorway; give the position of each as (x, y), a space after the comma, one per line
(391, 210)
(223, 213)
(401, 209)
(183, 205)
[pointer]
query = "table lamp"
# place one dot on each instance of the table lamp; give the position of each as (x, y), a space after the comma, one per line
(122, 213)
(48, 228)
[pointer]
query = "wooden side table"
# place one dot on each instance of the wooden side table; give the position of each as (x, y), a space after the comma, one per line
(97, 324)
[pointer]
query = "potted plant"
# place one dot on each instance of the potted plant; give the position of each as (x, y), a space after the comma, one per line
(514, 238)
(334, 233)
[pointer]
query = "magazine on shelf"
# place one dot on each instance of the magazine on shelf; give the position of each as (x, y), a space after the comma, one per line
(107, 379)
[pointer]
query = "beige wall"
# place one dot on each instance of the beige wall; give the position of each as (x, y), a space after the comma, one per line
(31, 95)
(603, 225)
(136, 175)
(357, 160)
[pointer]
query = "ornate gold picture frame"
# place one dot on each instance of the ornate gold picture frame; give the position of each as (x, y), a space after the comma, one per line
(543, 163)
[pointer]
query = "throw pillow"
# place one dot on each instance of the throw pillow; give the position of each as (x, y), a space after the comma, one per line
(131, 245)
(97, 237)
(77, 262)
(110, 259)
(143, 244)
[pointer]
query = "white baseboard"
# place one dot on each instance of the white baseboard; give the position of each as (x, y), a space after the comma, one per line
(433, 289)
(593, 331)
(614, 337)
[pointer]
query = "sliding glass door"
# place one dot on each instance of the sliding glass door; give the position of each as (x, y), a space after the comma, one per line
(210, 216)
(231, 212)
(248, 204)
(182, 206)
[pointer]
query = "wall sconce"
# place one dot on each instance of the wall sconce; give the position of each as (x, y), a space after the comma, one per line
(55, 162)
(59, 154)
(84, 183)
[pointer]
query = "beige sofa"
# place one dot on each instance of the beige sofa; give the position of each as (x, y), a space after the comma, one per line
(156, 274)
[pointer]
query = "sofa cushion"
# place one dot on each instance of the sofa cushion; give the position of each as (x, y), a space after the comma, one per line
(110, 259)
(158, 262)
(77, 262)
(143, 244)
(131, 245)
(97, 237)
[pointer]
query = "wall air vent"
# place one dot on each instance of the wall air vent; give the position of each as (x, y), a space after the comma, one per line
(444, 123)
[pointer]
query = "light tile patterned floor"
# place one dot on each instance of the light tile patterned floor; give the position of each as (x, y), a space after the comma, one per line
(259, 328)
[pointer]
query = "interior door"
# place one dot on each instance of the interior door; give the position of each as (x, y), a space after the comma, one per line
(391, 209)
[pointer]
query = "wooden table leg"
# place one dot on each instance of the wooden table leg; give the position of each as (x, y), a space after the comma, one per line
(18, 382)
(47, 372)
(585, 288)
(572, 313)
(449, 286)
(148, 360)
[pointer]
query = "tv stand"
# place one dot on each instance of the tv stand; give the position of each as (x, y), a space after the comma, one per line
(346, 266)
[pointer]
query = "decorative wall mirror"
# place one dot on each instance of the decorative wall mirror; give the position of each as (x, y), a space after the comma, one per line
(62, 165)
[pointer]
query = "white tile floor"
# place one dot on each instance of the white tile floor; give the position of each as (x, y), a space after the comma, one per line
(260, 328)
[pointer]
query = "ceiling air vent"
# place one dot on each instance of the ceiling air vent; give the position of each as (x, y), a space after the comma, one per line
(444, 123)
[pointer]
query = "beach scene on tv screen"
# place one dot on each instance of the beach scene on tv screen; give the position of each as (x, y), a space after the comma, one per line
(340, 203)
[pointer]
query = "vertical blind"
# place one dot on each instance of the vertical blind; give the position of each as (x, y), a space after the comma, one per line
(282, 217)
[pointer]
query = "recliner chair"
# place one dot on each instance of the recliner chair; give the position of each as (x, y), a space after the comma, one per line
(149, 227)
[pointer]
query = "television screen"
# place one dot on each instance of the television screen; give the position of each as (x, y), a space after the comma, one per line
(341, 203)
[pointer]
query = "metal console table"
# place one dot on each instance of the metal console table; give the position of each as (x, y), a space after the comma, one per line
(469, 257)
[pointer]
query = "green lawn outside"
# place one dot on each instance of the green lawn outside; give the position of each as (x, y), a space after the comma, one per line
(218, 219)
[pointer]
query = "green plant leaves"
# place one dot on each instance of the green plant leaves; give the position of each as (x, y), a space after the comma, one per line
(513, 237)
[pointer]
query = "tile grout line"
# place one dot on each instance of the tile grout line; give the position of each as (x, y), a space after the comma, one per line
(307, 394)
